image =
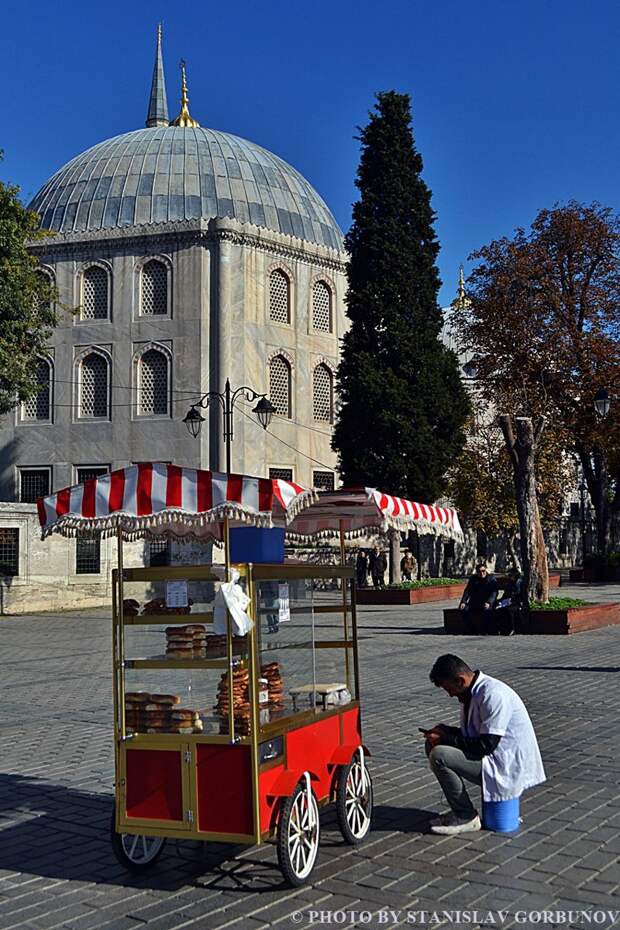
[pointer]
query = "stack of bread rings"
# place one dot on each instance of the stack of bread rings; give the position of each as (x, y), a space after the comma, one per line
(275, 684)
(186, 642)
(159, 713)
(241, 701)
(216, 645)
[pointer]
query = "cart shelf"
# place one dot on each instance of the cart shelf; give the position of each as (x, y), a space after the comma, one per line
(176, 663)
(167, 619)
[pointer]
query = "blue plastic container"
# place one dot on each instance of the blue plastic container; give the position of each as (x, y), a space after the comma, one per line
(501, 816)
(257, 544)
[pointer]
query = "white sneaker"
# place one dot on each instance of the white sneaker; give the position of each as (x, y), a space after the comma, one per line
(450, 824)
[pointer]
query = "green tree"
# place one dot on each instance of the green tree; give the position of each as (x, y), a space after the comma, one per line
(27, 310)
(402, 403)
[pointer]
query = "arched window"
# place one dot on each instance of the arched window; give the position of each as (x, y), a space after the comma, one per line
(321, 307)
(280, 385)
(154, 288)
(95, 298)
(94, 386)
(153, 384)
(322, 394)
(48, 279)
(279, 297)
(39, 407)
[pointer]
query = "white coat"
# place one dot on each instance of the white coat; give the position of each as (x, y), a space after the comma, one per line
(516, 763)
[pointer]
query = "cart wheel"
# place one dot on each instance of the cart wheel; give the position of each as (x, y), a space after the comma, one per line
(298, 836)
(135, 851)
(354, 801)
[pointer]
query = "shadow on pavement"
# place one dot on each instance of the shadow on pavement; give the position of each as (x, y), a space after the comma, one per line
(61, 832)
(572, 668)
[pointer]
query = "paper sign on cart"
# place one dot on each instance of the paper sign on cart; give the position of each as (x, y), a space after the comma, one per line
(284, 610)
(176, 594)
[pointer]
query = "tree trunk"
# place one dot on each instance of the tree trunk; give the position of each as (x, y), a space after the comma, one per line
(512, 549)
(394, 538)
(522, 450)
(596, 473)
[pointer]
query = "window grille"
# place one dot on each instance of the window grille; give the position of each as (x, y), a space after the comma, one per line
(153, 384)
(321, 307)
(9, 551)
(154, 288)
(280, 386)
(279, 297)
(283, 474)
(45, 303)
(323, 480)
(95, 294)
(94, 386)
(33, 483)
(159, 552)
(87, 556)
(87, 472)
(322, 394)
(38, 407)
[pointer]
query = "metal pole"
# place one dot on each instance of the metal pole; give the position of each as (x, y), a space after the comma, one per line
(582, 494)
(227, 424)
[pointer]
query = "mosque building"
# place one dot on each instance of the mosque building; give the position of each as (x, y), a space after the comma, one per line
(193, 256)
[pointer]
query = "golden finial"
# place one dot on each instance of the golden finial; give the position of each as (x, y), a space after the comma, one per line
(462, 300)
(184, 119)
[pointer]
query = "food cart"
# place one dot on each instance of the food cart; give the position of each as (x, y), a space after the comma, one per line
(236, 687)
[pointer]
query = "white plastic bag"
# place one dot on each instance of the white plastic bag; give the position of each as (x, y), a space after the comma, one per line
(232, 596)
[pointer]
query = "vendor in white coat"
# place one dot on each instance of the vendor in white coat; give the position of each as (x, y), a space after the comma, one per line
(495, 745)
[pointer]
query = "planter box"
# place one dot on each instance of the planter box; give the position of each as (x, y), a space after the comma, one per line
(551, 622)
(443, 592)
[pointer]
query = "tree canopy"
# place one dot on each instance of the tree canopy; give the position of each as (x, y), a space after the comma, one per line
(402, 402)
(27, 311)
(543, 327)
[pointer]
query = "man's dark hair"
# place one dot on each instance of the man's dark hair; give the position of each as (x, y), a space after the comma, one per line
(448, 668)
(481, 565)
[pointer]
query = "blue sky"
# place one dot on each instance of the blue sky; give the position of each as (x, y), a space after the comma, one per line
(515, 102)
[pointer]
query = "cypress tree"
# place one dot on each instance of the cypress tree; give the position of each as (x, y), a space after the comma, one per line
(402, 403)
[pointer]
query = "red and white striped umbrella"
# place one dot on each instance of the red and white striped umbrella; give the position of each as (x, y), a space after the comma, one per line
(359, 511)
(153, 498)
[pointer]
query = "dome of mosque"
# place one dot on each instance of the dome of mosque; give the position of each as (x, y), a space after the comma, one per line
(181, 171)
(169, 173)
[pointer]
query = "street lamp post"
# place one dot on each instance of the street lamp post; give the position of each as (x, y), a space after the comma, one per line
(602, 402)
(582, 511)
(227, 399)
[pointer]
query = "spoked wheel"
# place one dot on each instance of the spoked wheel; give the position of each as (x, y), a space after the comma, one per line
(135, 851)
(298, 836)
(354, 801)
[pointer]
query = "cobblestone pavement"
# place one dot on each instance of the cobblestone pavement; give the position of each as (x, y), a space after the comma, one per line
(57, 868)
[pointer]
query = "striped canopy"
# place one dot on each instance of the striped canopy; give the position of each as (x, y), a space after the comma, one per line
(158, 499)
(359, 511)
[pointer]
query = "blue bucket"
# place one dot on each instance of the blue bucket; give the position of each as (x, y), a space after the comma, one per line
(501, 816)
(257, 544)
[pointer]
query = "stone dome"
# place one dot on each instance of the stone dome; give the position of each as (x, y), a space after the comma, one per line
(172, 173)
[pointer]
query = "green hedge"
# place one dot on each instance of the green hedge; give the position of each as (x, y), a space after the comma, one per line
(424, 583)
(558, 603)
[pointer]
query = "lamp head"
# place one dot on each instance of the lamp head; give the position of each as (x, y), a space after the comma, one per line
(602, 402)
(264, 410)
(193, 419)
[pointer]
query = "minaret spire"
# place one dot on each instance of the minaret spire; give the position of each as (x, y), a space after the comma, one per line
(184, 119)
(158, 104)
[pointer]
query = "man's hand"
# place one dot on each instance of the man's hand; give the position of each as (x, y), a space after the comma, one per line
(461, 606)
(487, 606)
(434, 737)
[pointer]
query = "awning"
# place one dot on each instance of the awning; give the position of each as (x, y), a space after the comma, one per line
(157, 499)
(360, 511)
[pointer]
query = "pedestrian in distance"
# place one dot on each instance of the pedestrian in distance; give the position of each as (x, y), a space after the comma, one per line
(408, 566)
(478, 602)
(361, 569)
(495, 745)
(509, 607)
(378, 565)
